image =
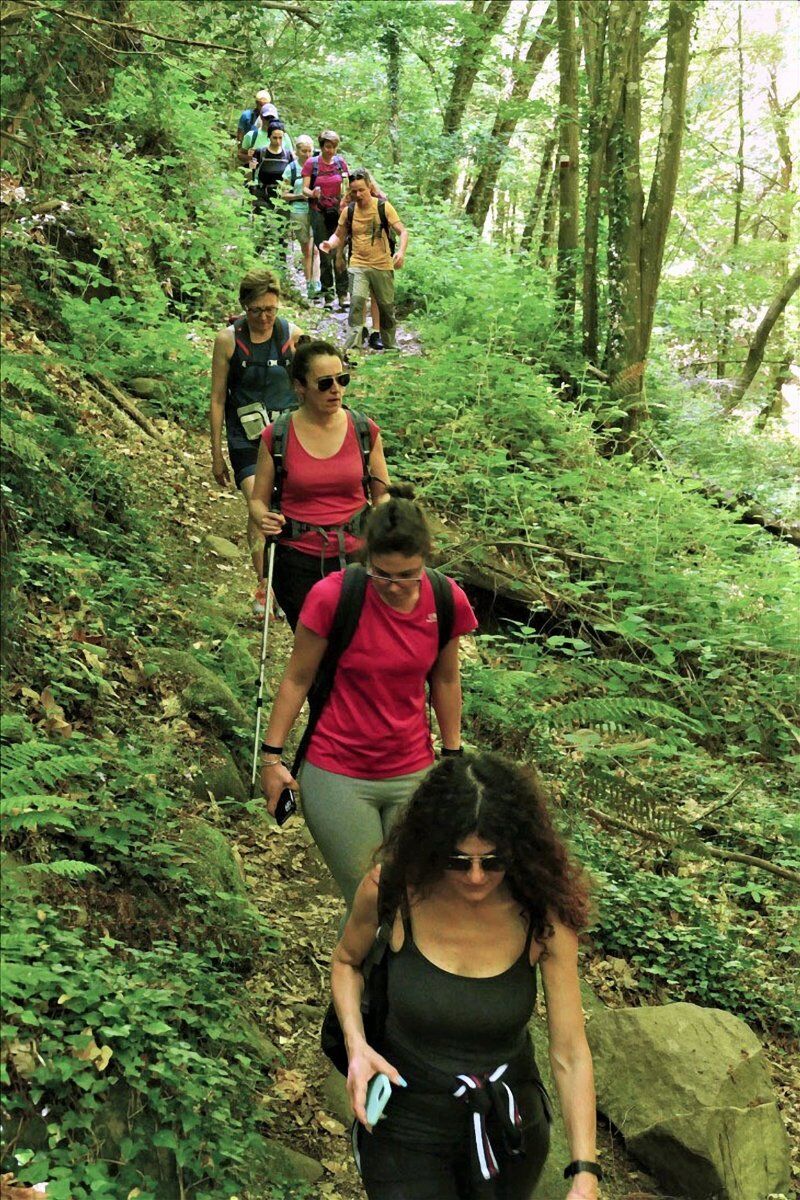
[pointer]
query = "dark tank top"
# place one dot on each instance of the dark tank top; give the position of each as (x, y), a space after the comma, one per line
(455, 1024)
(257, 374)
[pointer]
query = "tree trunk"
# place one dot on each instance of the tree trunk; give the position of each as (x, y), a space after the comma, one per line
(390, 40)
(725, 341)
(607, 32)
(484, 19)
(549, 224)
(542, 183)
(759, 342)
(569, 180)
(507, 117)
(637, 236)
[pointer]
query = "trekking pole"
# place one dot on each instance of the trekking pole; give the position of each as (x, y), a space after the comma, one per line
(262, 667)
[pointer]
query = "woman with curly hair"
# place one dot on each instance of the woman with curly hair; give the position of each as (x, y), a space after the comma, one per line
(480, 891)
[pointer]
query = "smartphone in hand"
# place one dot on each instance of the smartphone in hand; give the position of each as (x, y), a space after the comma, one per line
(379, 1089)
(286, 806)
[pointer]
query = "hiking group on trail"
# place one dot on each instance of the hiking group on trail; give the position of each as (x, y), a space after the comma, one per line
(455, 884)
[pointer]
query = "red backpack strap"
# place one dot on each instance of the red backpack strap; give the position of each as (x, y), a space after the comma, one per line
(238, 328)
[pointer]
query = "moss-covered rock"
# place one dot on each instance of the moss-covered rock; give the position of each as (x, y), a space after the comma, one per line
(289, 1166)
(218, 775)
(209, 859)
(690, 1091)
(203, 692)
(223, 547)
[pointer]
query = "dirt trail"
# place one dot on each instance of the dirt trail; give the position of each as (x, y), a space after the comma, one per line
(294, 891)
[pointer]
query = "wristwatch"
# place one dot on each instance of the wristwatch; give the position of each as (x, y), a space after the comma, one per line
(581, 1164)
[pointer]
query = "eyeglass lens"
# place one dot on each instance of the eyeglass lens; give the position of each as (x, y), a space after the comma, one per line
(267, 311)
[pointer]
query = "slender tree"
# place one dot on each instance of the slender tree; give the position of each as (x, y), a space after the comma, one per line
(569, 181)
(759, 342)
(505, 122)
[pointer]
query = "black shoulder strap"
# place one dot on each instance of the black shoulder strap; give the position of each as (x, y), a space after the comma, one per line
(364, 437)
(280, 433)
(314, 172)
(343, 626)
(445, 608)
(384, 220)
(351, 208)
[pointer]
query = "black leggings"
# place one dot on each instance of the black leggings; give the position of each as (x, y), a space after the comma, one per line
(393, 1170)
(295, 574)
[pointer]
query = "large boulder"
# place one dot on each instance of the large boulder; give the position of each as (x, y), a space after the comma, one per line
(217, 775)
(690, 1091)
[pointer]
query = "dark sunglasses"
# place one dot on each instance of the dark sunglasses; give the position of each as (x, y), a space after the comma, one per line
(325, 382)
(463, 862)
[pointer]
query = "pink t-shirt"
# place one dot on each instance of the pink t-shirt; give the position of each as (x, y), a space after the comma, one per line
(374, 725)
(323, 491)
(329, 179)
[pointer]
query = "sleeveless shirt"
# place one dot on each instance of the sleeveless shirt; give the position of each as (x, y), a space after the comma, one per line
(455, 1024)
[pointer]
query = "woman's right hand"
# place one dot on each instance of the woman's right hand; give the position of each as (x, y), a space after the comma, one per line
(365, 1062)
(271, 524)
(219, 469)
(274, 778)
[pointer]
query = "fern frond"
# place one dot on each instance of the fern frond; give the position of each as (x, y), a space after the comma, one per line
(611, 713)
(619, 797)
(65, 868)
(35, 812)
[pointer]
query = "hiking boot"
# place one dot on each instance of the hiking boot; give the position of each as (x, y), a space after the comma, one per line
(260, 601)
(344, 304)
(375, 342)
(311, 290)
(327, 299)
(364, 335)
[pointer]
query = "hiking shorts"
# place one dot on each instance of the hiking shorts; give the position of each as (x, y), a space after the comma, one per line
(301, 227)
(243, 461)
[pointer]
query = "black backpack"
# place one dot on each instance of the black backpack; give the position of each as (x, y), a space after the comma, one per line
(345, 623)
(387, 229)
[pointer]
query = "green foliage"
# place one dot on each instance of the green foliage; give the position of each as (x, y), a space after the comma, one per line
(94, 1031)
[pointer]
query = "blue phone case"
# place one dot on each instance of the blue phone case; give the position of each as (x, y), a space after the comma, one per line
(379, 1089)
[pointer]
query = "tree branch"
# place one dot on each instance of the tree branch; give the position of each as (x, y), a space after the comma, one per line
(66, 15)
(699, 847)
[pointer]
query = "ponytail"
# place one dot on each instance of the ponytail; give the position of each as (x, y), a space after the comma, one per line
(398, 525)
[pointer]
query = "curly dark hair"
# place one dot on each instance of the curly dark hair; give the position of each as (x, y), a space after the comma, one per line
(504, 804)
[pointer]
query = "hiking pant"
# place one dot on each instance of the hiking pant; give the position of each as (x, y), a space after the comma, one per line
(349, 818)
(381, 282)
(323, 226)
(295, 574)
(394, 1170)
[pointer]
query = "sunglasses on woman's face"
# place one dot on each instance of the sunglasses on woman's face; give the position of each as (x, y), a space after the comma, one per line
(325, 382)
(463, 862)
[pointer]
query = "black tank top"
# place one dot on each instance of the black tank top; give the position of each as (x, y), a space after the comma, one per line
(456, 1024)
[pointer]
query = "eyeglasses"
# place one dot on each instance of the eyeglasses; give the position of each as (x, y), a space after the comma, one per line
(381, 577)
(268, 310)
(326, 382)
(463, 862)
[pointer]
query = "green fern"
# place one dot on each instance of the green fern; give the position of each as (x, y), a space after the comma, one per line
(36, 812)
(65, 868)
(612, 713)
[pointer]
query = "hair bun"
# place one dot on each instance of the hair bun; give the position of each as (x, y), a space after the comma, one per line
(401, 491)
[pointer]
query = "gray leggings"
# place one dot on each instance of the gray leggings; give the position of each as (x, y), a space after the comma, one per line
(349, 818)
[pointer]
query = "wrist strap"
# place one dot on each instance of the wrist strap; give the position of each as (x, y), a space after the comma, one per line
(580, 1164)
(451, 753)
(267, 749)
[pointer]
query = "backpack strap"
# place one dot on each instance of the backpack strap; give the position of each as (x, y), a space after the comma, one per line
(364, 437)
(284, 333)
(445, 608)
(344, 624)
(293, 165)
(241, 336)
(387, 229)
(312, 179)
(280, 433)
